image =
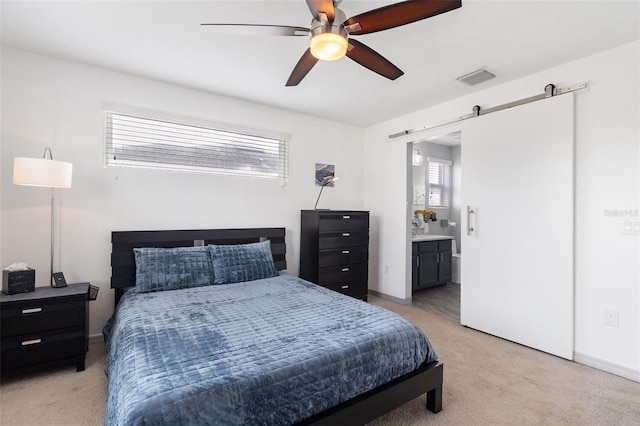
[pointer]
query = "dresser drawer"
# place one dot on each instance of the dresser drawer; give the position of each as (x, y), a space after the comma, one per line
(343, 256)
(342, 273)
(357, 289)
(36, 348)
(344, 221)
(343, 240)
(42, 315)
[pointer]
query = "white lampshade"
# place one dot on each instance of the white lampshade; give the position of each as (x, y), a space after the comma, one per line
(42, 172)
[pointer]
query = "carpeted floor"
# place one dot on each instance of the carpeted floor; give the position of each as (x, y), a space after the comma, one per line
(487, 381)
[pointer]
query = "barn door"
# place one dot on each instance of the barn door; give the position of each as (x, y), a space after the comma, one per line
(517, 218)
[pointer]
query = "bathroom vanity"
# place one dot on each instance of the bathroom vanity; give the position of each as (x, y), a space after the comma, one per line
(430, 260)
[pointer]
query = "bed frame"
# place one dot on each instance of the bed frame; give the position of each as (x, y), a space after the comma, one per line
(359, 410)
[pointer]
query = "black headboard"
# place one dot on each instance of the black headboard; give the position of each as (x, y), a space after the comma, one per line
(123, 265)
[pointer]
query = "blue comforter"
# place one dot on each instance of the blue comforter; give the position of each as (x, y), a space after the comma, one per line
(266, 352)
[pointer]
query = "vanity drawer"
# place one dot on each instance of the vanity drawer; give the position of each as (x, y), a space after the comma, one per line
(343, 256)
(343, 239)
(41, 315)
(343, 221)
(430, 246)
(342, 273)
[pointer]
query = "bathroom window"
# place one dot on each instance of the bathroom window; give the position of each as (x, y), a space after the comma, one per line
(439, 182)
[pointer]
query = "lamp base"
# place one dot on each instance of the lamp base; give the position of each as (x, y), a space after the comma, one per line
(58, 280)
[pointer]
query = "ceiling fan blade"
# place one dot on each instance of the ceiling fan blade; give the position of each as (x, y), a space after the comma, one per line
(371, 59)
(302, 68)
(322, 6)
(398, 14)
(260, 30)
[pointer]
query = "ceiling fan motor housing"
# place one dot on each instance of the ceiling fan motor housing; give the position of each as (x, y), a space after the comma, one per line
(328, 40)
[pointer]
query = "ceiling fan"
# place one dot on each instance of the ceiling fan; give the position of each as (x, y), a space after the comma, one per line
(330, 33)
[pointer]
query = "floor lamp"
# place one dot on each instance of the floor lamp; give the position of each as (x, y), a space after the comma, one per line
(47, 173)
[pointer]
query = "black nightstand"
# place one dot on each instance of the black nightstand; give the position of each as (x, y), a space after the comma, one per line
(46, 325)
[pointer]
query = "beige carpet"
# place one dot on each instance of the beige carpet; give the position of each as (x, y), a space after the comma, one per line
(487, 381)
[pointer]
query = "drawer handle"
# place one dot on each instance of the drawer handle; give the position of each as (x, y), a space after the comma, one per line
(346, 217)
(31, 311)
(31, 342)
(345, 269)
(345, 234)
(345, 251)
(344, 287)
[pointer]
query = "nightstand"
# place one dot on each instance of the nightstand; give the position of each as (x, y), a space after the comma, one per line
(46, 325)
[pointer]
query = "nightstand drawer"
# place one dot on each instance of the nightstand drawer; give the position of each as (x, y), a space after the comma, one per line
(343, 273)
(352, 288)
(343, 240)
(36, 348)
(344, 256)
(42, 315)
(343, 221)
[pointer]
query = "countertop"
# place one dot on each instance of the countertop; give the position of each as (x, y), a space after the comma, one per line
(430, 237)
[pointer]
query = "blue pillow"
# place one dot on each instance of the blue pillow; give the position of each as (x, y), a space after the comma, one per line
(159, 269)
(242, 262)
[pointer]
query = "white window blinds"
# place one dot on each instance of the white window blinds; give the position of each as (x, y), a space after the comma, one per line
(134, 140)
(439, 182)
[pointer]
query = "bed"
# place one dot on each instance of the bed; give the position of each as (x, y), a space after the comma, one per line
(272, 350)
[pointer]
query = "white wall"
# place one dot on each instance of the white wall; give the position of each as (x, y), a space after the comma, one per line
(47, 102)
(456, 194)
(607, 178)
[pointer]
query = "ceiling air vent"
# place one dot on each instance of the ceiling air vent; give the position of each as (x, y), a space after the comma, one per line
(476, 77)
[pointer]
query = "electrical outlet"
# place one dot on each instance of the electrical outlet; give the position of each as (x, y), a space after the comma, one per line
(612, 318)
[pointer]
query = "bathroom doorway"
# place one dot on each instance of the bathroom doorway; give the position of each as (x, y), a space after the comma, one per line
(435, 189)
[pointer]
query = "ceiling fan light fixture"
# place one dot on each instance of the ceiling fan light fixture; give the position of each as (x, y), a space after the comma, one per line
(328, 46)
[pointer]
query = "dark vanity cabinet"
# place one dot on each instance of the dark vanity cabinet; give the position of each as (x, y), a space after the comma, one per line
(431, 263)
(334, 250)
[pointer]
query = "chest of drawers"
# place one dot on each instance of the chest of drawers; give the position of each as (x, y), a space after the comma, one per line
(46, 325)
(334, 250)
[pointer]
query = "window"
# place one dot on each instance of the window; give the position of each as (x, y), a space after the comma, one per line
(138, 140)
(439, 182)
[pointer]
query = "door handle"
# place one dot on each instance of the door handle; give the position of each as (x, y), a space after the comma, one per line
(470, 211)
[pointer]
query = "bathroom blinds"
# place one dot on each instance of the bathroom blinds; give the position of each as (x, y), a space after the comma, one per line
(439, 182)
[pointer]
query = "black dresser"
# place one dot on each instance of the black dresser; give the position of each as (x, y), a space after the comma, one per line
(334, 250)
(48, 324)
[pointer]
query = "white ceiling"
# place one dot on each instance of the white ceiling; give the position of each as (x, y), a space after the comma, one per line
(163, 40)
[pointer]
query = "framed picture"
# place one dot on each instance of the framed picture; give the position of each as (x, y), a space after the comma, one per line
(325, 174)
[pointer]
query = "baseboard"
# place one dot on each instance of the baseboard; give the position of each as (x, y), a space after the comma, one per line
(607, 366)
(391, 298)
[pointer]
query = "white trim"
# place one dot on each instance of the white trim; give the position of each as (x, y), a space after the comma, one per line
(606, 366)
(96, 338)
(390, 298)
(439, 160)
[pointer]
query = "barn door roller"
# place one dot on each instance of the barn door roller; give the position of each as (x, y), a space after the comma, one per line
(549, 91)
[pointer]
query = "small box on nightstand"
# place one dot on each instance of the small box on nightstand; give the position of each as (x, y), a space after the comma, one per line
(14, 282)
